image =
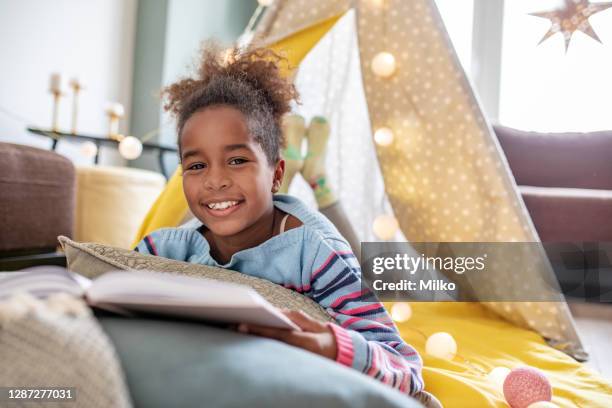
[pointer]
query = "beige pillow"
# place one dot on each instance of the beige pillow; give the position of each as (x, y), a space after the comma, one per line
(91, 260)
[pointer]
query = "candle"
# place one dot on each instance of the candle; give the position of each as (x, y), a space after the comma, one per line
(76, 88)
(115, 109)
(55, 83)
(74, 83)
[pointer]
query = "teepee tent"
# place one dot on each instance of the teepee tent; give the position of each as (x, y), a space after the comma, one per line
(443, 175)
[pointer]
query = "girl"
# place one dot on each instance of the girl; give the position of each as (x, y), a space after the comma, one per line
(229, 138)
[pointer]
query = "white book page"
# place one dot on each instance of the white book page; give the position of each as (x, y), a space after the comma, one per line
(41, 281)
(177, 295)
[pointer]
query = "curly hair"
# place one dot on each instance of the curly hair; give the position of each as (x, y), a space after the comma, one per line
(248, 80)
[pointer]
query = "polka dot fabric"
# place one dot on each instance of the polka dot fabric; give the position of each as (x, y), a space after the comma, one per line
(444, 175)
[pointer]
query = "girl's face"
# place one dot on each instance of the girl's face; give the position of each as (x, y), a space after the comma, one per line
(227, 179)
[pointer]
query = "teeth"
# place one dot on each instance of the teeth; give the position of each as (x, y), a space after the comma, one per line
(222, 205)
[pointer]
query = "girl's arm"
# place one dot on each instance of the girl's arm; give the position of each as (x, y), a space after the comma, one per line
(366, 337)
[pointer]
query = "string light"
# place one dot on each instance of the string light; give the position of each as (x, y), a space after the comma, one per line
(543, 404)
(385, 226)
(130, 148)
(383, 136)
(383, 64)
(88, 149)
(497, 376)
(441, 345)
(401, 312)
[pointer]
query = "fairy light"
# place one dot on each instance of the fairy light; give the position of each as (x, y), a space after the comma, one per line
(441, 345)
(383, 136)
(401, 312)
(385, 226)
(88, 149)
(383, 64)
(130, 148)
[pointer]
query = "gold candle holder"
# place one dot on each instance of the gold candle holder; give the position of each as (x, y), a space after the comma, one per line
(76, 88)
(115, 112)
(56, 100)
(55, 87)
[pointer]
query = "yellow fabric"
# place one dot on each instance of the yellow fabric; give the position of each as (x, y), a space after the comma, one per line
(171, 206)
(295, 46)
(485, 341)
(168, 210)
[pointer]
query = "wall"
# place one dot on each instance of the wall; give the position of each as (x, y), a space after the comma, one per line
(186, 23)
(93, 40)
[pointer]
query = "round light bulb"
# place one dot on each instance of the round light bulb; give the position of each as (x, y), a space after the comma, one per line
(383, 136)
(401, 312)
(441, 345)
(130, 147)
(265, 3)
(383, 64)
(88, 149)
(543, 404)
(497, 376)
(385, 227)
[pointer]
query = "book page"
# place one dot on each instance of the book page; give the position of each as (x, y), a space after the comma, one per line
(41, 281)
(177, 295)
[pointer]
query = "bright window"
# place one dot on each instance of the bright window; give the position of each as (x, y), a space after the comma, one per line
(457, 16)
(545, 89)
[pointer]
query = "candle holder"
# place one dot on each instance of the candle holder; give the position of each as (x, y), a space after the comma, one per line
(76, 88)
(56, 100)
(115, 113)
(55, 87)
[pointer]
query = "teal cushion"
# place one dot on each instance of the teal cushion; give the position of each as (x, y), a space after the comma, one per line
(184, 364)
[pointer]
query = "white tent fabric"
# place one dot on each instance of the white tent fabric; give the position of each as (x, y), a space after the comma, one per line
(445, 176)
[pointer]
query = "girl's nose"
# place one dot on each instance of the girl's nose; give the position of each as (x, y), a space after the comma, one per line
(217, 179)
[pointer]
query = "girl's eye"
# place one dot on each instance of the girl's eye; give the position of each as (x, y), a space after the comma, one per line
(196, 166)
(237, 161)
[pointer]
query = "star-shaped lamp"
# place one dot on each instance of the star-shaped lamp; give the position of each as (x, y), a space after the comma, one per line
(572, 16)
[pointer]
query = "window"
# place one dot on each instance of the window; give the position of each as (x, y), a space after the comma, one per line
(545, 89)
(457, 16)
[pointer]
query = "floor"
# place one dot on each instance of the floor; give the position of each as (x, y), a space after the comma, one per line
(594, 323)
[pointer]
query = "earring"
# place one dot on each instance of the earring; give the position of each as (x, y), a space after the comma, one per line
(276, 186)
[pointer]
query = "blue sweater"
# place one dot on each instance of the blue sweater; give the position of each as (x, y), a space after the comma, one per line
(315, 260)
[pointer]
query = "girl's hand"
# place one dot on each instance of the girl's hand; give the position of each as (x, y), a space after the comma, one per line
(315, 336)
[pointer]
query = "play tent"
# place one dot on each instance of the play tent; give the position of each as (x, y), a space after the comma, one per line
(444, 174)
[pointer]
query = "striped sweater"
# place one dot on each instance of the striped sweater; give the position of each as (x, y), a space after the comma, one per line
(315, 260)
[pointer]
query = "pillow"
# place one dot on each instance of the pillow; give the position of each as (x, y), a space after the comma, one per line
(184, 364)
(92, 260)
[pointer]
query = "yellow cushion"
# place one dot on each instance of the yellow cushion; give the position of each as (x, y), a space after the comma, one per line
(112, 201)
(485, 341)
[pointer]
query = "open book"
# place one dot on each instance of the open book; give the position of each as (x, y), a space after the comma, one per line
(151, 292)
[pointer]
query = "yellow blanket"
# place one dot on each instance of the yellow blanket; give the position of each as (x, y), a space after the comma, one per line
(485, 341)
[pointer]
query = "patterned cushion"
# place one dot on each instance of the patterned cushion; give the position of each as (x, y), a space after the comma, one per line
(91, 260)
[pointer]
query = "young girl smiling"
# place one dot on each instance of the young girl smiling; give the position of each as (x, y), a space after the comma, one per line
(229, 136)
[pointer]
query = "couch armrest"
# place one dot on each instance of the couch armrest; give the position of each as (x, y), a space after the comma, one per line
(570, 214)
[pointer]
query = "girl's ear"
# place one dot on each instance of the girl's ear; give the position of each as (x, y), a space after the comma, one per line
(279, 171)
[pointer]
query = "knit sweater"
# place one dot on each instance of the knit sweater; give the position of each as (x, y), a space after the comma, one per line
(315, 260)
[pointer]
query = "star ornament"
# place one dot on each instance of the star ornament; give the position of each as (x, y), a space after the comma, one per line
(571, 17)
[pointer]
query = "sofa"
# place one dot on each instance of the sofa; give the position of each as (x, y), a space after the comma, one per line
(44, 195)
(37, 203)
(565, 180)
